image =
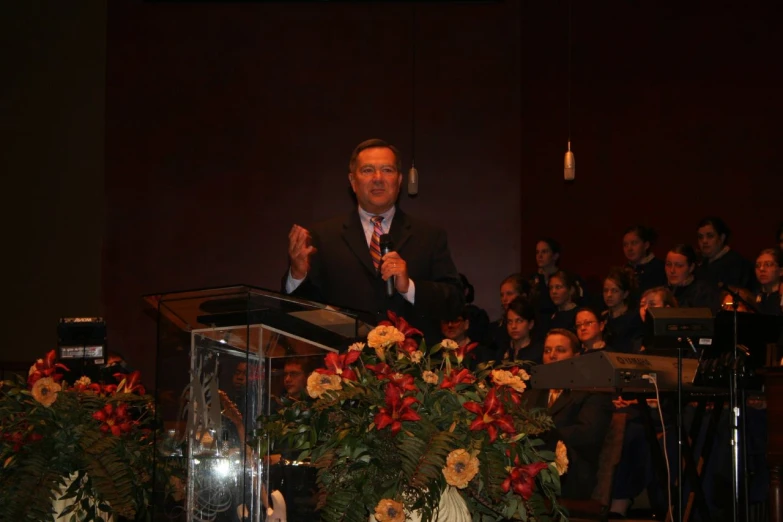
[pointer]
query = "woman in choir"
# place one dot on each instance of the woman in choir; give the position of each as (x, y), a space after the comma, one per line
(590, 330)
(689, 291)
(650, 271)
(547, 260)
(623, 325)
(719, 263)
(564, 291)
(520, 320)
(511, 287)
(769, 299)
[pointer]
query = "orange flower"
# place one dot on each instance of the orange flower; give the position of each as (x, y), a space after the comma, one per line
(561, 458)
(389, 510)
(460, 468)
(45, 391)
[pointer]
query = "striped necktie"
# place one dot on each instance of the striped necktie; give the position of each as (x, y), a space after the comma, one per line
(375, 241)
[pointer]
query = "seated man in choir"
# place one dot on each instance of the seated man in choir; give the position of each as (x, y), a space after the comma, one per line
(581, 418)
(457, 329)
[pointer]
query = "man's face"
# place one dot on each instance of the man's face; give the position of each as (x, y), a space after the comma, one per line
(240, 376)
(294, 379)
(634, 248)
(557, 347)
(376, 181)
(710, 243)
(544, 255)
(455, 329)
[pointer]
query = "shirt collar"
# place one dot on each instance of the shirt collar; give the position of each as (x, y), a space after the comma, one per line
(387, 216)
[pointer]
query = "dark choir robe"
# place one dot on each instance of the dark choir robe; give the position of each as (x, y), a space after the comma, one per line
(649, 274)
(622, 332)
(698, 294)
(730, 269)
(533, 353)
(542, 303)
(564, 319)
(581, 421)
(769, 304)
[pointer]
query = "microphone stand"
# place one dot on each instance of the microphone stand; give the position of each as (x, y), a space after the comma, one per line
(736, 404)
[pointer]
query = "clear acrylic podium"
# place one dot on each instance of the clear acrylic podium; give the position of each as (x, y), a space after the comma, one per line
(221, 359)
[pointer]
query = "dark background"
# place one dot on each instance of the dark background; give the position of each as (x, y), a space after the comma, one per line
(226, 123)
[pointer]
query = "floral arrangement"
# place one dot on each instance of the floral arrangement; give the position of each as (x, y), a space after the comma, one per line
(394, 427)
(85, 443)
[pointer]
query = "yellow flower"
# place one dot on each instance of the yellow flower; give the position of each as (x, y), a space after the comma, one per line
(389, 510)
(45, 391)
(83, 381)
(430, 377)
(383, 337)
(356, 347)
(506, 378)
(523, 375)
(416, 356)
(561, 458)
(448, 344)
(460, 468)
(318, 383)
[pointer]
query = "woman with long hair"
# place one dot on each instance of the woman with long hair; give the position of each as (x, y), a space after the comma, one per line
(565, 292)
(623, 325)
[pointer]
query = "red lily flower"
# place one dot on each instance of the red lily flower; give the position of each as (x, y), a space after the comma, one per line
(462, 351)
(401, 324)
(457, 377)
(381, 370)
(129, 383)
(338, 364)
(114, 419)
(397, 410)
(522, 479)
(46, 367)
(491, 416)
(21, 437)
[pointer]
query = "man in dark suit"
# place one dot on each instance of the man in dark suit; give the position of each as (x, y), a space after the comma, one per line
(332, 262)
(581, 419)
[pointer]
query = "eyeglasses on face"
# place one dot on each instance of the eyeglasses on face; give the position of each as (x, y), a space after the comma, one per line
(766, 264)
(585, 323)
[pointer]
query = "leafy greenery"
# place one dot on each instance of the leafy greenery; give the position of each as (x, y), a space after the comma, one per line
(385, 418)
(91, 441)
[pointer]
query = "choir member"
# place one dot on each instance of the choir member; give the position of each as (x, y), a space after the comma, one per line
(637, 243)
(564, 293)
(511, 287)
(590, 330)
(721, 264)
(623, 325)
(520, 322)
(769, 300)
(689, 291)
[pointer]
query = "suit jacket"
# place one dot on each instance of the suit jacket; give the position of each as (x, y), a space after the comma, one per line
(581, 422)
(342, 273)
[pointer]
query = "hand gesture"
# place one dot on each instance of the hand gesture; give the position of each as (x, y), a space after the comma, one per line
(299, 251)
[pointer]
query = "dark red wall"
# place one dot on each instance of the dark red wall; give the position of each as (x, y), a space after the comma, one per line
(228, 123)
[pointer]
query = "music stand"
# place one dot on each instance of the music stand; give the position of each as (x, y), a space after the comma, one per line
(684, 325)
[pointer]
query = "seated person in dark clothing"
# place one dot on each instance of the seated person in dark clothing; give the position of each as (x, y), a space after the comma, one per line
(768, 300)
(721, 264)
(547, 260)
(564, 293)
(590, 330)
(457, 328)
(478, 317)
(623, 324)
(581, 419)
(520, 345)
(690, 292)
(511, 287)
(649, 270)
(659, 297)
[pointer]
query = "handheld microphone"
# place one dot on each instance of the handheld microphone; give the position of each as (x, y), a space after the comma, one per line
(413, 181)
(387, 246)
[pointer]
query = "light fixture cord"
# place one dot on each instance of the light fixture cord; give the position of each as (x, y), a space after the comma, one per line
(569, 74)
(413, 84)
